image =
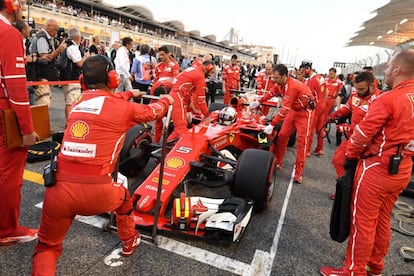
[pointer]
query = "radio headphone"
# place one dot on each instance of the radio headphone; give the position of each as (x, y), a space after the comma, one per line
(12, 6)
(111, 76)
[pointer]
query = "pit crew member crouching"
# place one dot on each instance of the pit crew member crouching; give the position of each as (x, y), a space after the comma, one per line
(93, 139)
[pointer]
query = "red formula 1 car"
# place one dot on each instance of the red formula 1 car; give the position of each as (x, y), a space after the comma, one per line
(230, 150)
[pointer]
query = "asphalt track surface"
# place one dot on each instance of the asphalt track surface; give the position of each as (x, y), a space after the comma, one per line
(290, 238)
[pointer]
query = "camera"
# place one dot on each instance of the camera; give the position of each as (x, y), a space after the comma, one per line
(61, 35)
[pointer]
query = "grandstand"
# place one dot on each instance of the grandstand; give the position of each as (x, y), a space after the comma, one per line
(111, 24)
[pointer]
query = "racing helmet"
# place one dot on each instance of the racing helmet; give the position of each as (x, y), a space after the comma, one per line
(227, 116)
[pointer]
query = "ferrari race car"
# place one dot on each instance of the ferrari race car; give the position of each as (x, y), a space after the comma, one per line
(230, 150)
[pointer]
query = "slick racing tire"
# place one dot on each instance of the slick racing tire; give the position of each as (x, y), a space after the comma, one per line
(255, 177)
(135, 154)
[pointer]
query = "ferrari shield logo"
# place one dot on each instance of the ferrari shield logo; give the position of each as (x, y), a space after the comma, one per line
(231, 137)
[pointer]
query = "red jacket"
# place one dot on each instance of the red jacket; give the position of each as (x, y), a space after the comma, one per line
(13, 88)
(190, 86)
(168, 69)
(316, 83)
(231, 75)
(97, 123)
(388, 124)
(333, 87)
(264, 82)
(296, 96)
(356, 106)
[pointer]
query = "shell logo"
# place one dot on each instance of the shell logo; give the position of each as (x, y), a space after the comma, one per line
(174, 163)
(79, 130)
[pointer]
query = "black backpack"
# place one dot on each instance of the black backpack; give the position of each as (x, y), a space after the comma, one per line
(62, 64)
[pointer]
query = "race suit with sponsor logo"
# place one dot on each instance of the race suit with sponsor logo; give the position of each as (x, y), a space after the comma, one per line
(13, 94)
(231, 76)
(333, 87)
(316, 83)
(188, 92)
(296, 114)
(92, 141)
(358, 107)
(386, 130)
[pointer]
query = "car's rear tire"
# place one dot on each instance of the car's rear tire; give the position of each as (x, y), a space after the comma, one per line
(135, 143)
(254, 177)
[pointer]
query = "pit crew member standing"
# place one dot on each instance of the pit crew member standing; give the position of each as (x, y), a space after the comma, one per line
(384, 140)
(92, 142)
(333, 86)
(296, 112)
(231, 79)
(13, 94)
(167, 67)
(264, 80)
(357, 106)
(316, 83)
(188, 92)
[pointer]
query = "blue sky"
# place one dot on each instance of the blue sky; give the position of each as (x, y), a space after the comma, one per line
(316, 30)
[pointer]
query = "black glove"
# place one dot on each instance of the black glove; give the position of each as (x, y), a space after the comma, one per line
(350, 163)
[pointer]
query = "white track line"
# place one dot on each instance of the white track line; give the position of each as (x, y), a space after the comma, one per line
(262, 261)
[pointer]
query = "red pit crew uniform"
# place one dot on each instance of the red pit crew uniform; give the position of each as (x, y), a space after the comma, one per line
(333, 87)
(296, 114)
(13, 94)
(92, 141)
(358, 107)
(231, 75)
(388, 124)
(169, 69)
(316, 83)
(167, 82)
(264, 83)
(188, 92)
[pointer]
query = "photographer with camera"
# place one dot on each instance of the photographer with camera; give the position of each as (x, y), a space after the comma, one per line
(75, 59)
(143, 68)
(47, 48)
